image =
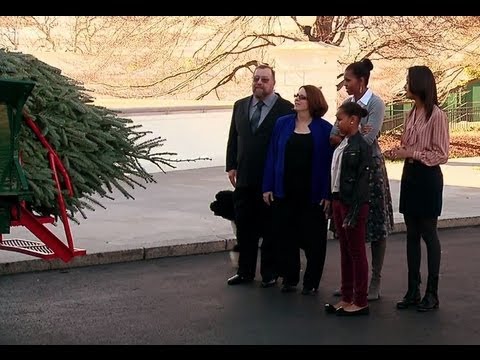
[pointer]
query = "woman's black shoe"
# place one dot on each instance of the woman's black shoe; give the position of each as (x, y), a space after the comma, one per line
(408, 301)
(309, 291)
(288, 288)
(429, 302)
(411, 298)
(269, 283)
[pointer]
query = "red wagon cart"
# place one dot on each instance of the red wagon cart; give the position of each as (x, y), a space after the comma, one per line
(14, 191)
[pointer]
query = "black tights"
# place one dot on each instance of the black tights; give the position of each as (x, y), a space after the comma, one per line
(426, 228)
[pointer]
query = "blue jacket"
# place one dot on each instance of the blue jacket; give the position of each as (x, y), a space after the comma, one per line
(273, 176)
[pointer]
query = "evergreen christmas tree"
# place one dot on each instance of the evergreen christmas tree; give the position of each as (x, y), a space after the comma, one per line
(100, 150)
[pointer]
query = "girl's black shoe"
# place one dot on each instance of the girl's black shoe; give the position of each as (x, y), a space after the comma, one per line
(362, 311)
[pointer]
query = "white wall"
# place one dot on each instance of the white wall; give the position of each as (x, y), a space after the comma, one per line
(308, 63)
(204, 133)
(190, 135)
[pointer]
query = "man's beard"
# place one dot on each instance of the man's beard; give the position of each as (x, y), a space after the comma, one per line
(259, 92)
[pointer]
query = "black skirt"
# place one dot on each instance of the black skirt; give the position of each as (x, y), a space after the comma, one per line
(421, 189)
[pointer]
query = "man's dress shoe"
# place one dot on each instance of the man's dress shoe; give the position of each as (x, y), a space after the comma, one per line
(238, 279)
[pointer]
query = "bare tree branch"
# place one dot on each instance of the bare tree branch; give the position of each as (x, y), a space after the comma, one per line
(45, 24)
(145, 56)
(229, 77)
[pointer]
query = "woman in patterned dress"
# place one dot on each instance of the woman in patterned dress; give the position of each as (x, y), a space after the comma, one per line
(380, 217)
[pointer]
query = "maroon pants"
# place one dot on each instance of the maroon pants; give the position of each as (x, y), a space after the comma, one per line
(353, 254)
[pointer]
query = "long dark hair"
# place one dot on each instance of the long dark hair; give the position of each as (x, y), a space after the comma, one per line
(421, 83)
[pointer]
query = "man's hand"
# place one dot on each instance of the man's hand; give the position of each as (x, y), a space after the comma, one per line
(268, 197)
(232, 176)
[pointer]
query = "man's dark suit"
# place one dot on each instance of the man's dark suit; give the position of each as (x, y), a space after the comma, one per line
(246, 152)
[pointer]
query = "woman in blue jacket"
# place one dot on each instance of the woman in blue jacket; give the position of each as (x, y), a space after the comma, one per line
(296, 183)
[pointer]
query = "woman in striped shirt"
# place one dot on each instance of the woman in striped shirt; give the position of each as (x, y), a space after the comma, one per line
(424, 146)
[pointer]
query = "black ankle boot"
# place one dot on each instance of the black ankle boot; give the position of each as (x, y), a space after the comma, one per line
(412, 297)
(430, 300)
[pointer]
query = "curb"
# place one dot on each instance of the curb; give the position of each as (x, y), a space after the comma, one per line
(171, 109)
(444, 224)
(120, 256)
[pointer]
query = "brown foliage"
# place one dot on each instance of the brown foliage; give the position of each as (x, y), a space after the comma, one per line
(461, 144)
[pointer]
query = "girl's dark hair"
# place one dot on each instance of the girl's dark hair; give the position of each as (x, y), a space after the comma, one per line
(421, 83)
(317, 105)
(361, 69)
(353, 109)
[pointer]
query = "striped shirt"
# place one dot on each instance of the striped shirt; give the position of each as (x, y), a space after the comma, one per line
(430, 139)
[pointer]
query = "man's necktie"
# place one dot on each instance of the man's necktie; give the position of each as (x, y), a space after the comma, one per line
(254, 122)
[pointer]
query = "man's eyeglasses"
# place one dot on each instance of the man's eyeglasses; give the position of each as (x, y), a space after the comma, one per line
(300, 96)
(263, 79)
